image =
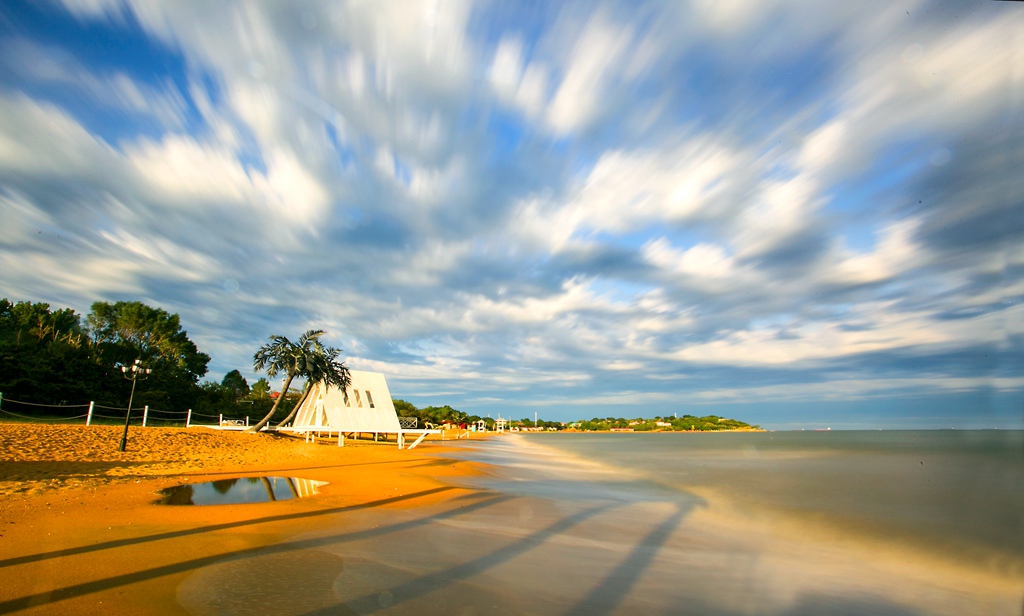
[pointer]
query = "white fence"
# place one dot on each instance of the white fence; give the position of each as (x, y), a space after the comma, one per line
(65, 413)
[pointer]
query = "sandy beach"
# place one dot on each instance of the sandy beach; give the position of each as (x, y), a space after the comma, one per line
(79, 531)
(524, 529)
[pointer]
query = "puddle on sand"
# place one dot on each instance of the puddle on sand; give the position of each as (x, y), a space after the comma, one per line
(239, 491)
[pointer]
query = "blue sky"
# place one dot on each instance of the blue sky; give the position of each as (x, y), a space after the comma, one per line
(795, 215)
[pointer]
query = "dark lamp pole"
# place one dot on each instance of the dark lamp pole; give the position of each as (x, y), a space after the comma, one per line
(134, 373)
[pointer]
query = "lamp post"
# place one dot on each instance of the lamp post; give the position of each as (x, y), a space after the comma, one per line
(134, 373)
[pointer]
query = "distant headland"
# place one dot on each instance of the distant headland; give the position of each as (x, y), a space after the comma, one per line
(686, 423)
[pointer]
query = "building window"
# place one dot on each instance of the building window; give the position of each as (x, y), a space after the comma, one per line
(359, 401)
(369, 398)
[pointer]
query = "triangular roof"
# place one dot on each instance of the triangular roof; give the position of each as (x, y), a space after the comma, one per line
(368, 409)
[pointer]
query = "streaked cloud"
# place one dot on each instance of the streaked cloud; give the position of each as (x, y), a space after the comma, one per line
(510, 209)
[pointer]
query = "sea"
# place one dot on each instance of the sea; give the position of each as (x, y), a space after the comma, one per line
(788, 523)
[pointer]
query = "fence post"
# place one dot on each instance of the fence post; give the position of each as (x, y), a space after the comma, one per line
(145, 415)
(220, 419)
(188, 419)
(88, 418)
(246, 421)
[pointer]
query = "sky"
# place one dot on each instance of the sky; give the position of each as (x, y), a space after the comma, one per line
(796, 214)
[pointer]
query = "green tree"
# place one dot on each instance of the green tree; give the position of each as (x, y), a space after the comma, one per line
(24, 322)
(307, 358)
(405, 409)
(133, 330)
(260, 389)
(443, 414)
(46, 359)
(125, 331)
(235, 383)
(213, 397)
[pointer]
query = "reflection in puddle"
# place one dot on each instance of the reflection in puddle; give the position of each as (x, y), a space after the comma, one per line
(240, 490)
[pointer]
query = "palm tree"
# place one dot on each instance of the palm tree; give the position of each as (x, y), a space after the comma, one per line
(306, 358)
(321, 372)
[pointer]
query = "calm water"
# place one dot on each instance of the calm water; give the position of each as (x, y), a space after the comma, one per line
(795, 524)
(239, 491)
(948, 490)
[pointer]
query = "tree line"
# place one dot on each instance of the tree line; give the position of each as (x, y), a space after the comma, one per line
(55, 356)
(439, 415)
(708, 423)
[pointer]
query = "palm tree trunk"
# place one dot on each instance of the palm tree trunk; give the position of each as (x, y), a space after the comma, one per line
(269, 488)
(295, 410)
(273, 409)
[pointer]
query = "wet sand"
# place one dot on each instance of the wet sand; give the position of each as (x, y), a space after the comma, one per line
(80, 534)
(575, 536)
(521, 531)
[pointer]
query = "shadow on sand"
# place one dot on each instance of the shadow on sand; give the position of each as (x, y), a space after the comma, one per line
(460, 506)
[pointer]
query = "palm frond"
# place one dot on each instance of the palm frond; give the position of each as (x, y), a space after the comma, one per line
(306, 358)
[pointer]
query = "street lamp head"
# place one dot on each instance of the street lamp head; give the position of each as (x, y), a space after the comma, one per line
(135, 370)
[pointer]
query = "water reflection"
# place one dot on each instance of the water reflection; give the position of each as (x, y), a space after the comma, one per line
(240, 490)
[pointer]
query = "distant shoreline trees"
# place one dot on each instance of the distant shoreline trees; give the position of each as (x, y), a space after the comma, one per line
(438, 415)
(686, 423)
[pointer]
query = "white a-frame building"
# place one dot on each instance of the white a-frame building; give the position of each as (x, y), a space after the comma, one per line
(366, 409)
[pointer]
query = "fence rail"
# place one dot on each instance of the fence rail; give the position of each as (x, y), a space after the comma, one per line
(143, 416)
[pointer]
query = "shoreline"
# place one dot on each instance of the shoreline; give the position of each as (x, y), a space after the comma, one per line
(785, 554)
(38, 459)
(79, 527)
(439, 530)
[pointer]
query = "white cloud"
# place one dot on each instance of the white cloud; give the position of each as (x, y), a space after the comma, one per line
(93, 276)
(184, 172)
(292, 191)
(52, 65)
(895, 85)
(696, 180)
(161, 257)
(180, 172)
(507, 67)
(847, 390)
(595, 60)
(38, 139)
(706, 261)
(782, 210)
(515, 82)
(886, 329)
(94, 9)
(22, 221)
(896, 253)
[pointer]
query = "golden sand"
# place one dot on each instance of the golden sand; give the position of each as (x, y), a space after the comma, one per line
(80, 533)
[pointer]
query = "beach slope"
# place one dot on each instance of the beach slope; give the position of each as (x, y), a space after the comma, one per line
(80, 531)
